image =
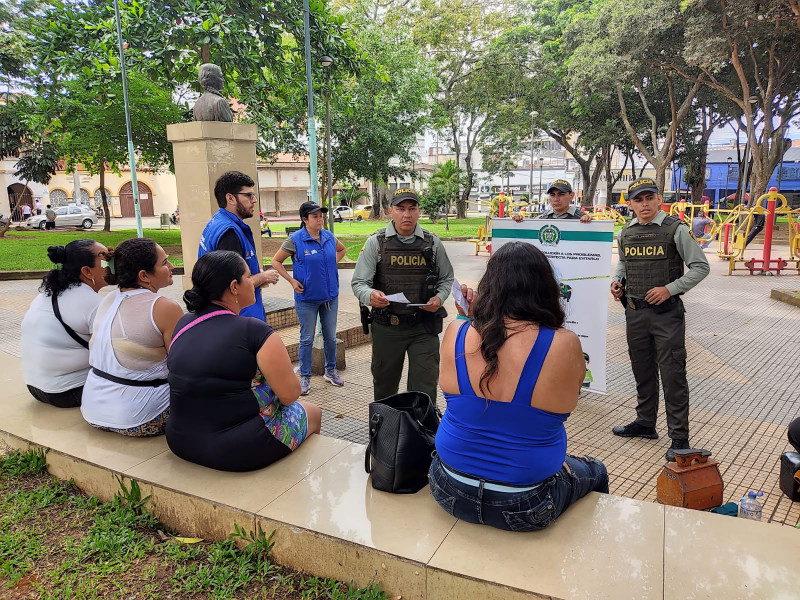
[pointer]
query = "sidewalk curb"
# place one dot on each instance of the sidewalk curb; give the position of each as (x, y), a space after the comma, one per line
(789, 297)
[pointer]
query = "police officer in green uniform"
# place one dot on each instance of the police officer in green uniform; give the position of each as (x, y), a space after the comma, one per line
(561, 197)
(650, 280)
(404, 258)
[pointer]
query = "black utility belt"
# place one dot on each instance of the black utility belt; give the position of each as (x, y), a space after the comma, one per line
(384, 317)
(637, 304)
(132, 382)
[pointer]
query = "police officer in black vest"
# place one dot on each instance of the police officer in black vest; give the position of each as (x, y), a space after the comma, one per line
(649, 280)
(404, 258)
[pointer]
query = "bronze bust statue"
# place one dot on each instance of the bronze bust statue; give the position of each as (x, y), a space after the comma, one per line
(212, 105)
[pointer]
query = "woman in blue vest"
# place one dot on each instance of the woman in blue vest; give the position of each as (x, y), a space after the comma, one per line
(511, 375)
(315, 279)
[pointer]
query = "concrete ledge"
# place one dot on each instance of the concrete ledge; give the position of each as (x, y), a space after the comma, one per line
(789, 297)
(330, 522)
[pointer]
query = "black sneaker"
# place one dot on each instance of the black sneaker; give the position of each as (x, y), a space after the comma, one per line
(676, 445)
(635, 430)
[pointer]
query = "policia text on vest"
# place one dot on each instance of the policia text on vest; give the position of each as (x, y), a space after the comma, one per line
(417, 266)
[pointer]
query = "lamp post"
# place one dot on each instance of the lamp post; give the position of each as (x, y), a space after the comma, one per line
(534, 114)
(326, 61)
(541, 162)
(131, 156)
(312, 131)
(727, 180)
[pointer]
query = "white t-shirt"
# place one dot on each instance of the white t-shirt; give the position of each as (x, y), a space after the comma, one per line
(51, 360)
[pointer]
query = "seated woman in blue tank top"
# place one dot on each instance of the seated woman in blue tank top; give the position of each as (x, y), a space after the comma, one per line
(511, 380)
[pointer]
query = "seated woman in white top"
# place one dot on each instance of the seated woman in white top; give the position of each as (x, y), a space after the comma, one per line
(55, 351)
(126, 391)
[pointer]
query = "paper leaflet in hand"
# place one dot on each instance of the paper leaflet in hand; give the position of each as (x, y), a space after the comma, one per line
(401, 297)
(459, 297)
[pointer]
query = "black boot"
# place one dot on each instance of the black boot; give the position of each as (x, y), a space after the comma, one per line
(635, 430)
(676, 445)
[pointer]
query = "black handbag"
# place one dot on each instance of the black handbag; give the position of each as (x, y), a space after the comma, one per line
(402, 429)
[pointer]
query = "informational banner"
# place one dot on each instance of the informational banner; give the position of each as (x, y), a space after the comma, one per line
(581, 257)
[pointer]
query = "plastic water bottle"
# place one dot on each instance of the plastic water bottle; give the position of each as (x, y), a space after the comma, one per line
(750, 507)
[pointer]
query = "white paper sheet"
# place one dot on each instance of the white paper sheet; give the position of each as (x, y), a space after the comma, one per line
(459, 298)
(401, 297)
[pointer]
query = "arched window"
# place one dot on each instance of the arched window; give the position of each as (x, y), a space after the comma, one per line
(98, 199)
(58, 198)
(83, 196)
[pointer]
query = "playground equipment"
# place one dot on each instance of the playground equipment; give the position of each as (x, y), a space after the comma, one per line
(481, 240)
(607, 213)
(736, 227)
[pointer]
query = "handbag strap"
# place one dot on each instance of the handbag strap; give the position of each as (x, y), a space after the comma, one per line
(66, 327)
(374, 426)
(197, 321)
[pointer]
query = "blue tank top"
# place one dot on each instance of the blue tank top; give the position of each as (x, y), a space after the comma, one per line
(510, 442)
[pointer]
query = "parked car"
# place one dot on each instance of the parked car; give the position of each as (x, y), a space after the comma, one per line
(2, 220)
(362, 211)
(67, 216)
(340, 213)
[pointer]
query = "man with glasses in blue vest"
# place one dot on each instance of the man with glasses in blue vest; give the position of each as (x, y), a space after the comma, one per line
(227, 231)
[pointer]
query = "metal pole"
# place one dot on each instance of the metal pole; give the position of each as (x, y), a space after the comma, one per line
(330, 159)
(312, 132)
(76, 186)
(541, 197)
(530, 184)
(131, 155)
(727, 181)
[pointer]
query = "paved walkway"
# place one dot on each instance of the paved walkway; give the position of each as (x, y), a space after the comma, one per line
(744, 357)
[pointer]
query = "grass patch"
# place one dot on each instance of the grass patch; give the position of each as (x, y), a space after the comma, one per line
(57, 544)
(27, 250)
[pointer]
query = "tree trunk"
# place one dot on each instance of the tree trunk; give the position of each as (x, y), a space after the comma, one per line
(12, 209)
(461, 205)
(106, 211)
(700, 183)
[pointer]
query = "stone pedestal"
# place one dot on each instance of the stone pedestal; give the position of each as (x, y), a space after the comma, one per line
(203, 151)
(318, 356)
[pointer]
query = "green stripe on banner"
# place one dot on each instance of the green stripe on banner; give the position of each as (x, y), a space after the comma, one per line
(567, 236)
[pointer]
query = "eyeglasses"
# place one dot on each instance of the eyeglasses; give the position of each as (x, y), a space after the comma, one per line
(251, 195)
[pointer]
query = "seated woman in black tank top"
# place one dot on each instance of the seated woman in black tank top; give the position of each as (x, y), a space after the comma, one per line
(233, 393)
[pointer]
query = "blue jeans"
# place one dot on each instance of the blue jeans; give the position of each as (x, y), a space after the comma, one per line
(518, 511)
(307, 314)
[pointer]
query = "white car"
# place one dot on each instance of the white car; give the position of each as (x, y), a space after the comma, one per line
(67, 216)
(340, 213)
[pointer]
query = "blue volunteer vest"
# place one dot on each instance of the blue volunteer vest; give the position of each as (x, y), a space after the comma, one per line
(314, 265)
(215, 228)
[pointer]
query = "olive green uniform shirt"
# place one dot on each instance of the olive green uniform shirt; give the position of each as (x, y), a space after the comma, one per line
(367, 263)
(689, 251)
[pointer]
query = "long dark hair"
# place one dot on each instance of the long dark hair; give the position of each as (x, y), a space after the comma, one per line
(211, 276)
(519, 284)
(130, 257)
(74, 256)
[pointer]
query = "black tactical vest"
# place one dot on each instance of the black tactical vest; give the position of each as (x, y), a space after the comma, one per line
(651, 256)
(404, 268)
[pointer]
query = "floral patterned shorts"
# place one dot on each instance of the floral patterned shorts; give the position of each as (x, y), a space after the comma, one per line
(154, 427)
(289, 424)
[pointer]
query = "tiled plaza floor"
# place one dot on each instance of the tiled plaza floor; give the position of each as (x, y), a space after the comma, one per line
(743, 366)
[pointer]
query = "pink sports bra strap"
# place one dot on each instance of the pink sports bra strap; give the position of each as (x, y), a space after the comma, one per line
(197, 321)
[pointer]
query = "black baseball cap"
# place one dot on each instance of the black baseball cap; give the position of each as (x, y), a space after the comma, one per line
(561, 185)
(306, 208)
(643, 184)
(404, 194)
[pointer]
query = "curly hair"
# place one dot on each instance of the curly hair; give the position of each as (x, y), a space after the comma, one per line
(130, 257)
(231, 182)
(519, 284)
(73, 257)
(211, 276)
